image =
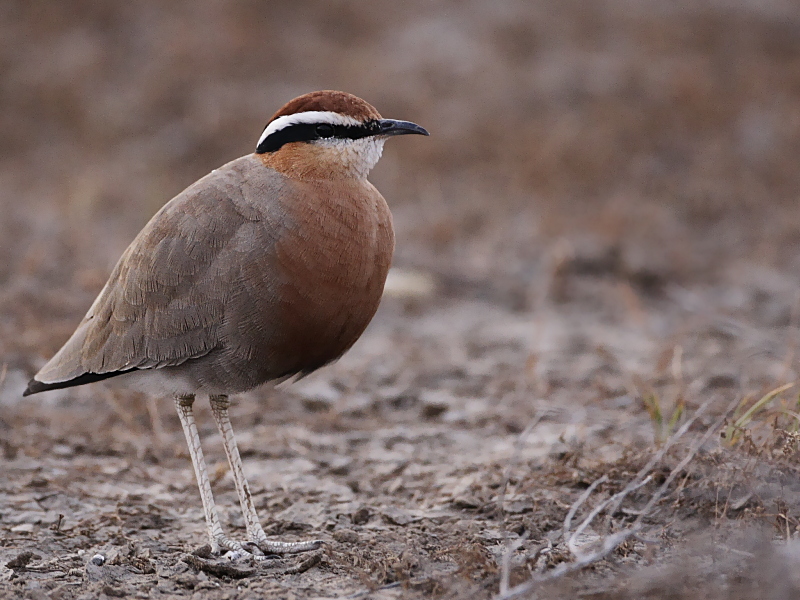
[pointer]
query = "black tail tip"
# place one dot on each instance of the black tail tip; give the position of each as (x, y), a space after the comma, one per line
(34, 387)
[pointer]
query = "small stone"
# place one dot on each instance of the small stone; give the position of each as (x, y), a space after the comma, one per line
(361, 516)
(345, 536)
(206, 585)
(98, 560)
(396, 516)
(187, 580)
(467, 502)
(203, 551)
(493, 535)
(20, 560)
(518, 507)
(435, 403)
(114, 592)
(63, 450)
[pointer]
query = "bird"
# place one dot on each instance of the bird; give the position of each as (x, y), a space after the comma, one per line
(266, 269)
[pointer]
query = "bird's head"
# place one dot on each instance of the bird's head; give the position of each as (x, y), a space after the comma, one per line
(328, 135)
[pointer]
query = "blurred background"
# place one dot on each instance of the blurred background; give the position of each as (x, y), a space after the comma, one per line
(658, 139)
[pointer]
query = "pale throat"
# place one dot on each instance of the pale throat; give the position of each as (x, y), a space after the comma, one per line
(356, 157)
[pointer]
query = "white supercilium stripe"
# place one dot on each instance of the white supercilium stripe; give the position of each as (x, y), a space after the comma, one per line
(311, 116)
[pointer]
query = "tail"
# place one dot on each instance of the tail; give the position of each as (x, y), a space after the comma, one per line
(67, 368)
(35, 386)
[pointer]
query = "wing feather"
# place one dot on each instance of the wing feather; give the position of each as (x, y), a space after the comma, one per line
(165, 300)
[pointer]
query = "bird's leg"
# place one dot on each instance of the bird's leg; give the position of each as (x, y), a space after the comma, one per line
(219, 542)
(255, 533)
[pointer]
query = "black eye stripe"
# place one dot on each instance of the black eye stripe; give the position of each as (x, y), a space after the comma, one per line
(324, 130)
(307, 132)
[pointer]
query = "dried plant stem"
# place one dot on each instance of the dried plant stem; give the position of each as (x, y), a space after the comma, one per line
(618, 497)
(611, 542)
(656, 458)
(579, 502)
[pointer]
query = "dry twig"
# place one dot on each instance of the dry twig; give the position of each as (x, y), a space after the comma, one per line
(612, 542)
(579, 502)
(618, 498)
(656, 458)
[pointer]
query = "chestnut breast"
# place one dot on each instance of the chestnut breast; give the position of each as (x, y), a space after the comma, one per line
(311, 293)
(332, 262)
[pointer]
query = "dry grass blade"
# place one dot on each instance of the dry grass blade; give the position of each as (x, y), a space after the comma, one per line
(612, 542)
(732, 432)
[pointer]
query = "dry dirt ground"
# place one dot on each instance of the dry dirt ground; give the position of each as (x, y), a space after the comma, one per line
(597, 251)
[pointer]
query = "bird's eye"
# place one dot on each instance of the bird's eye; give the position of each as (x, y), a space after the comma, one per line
(324, 130)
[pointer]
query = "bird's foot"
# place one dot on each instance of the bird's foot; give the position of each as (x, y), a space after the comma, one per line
(260, 549)
(224, 547)
(271, 547)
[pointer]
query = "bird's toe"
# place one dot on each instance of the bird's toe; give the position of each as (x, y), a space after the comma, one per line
(272, 547)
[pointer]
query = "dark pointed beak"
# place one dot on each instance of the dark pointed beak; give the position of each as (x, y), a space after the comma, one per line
(392, 127)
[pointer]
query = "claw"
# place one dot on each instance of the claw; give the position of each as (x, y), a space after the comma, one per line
(233, 550)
